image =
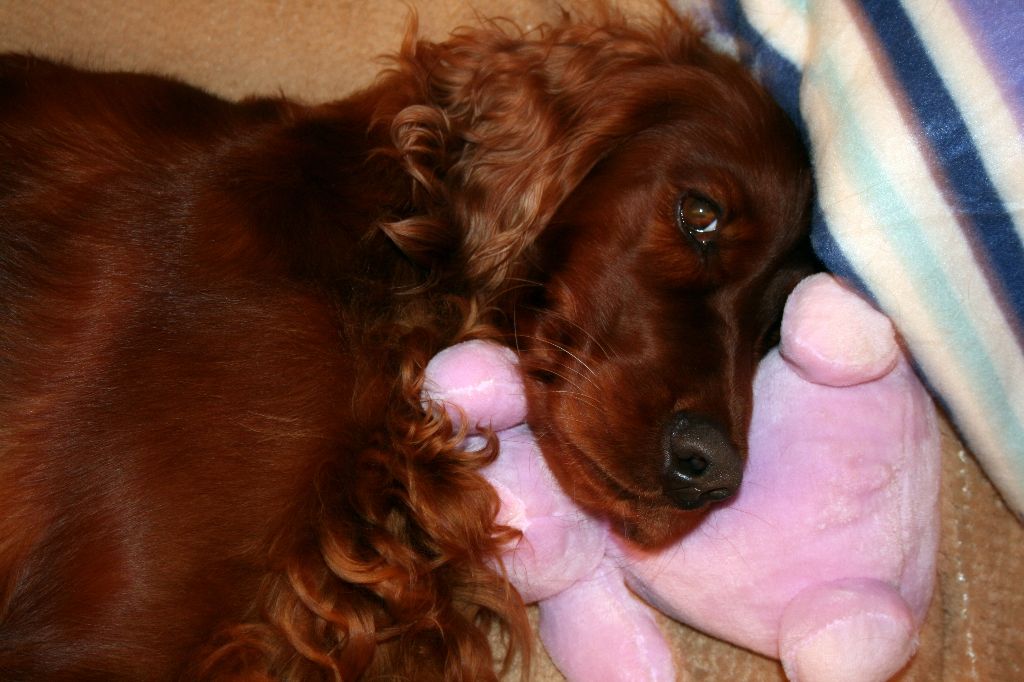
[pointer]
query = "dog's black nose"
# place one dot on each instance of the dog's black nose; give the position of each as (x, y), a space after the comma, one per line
(701, 465)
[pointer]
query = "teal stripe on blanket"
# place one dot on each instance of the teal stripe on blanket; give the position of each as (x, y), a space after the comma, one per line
(915, 256)
(967, 185)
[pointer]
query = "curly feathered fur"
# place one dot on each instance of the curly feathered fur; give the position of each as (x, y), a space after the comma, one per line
(214, 458)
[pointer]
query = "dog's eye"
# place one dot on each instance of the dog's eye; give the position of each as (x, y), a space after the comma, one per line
(698, 217)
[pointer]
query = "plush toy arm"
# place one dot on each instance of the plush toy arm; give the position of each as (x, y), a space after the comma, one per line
(598, 630)
(856, 630)
(833, 337)
(560, 544)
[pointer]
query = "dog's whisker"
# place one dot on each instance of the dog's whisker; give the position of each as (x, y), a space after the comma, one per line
(581, 397)
(590, 372)
(589, 335)
(569, 382)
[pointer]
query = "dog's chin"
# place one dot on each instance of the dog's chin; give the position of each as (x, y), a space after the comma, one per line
(646, 518)
(659, 527)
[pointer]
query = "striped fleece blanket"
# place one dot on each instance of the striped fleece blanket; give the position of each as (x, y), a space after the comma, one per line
(914, 114)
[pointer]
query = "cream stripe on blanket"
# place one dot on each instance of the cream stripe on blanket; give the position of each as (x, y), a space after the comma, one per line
(914, 113)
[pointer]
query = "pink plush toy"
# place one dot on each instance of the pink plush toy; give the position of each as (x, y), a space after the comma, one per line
(826, 557)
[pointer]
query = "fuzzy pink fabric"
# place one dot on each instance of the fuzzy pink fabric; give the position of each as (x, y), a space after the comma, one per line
(825, 559)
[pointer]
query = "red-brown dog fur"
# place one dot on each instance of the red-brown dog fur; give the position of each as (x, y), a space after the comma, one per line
(214, 318)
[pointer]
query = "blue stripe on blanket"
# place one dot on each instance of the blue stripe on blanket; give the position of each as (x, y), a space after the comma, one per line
(921, 263)
(831, 254)
(980, 210)
(780, 76)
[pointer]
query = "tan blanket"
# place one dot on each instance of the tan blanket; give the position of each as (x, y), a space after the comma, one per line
(322, 49)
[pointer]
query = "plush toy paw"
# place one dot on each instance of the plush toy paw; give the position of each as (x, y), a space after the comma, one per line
(854, 630)
(833, 337)
(480, 380)
(598, 630)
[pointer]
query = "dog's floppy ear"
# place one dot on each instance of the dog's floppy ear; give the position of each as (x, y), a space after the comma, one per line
(501, 129)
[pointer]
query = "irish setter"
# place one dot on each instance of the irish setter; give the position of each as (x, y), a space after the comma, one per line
(214, 458)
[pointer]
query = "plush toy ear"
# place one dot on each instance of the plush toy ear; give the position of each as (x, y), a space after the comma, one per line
(833, 337)
(479, 380)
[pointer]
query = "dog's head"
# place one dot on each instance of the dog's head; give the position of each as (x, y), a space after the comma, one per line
(637, 204)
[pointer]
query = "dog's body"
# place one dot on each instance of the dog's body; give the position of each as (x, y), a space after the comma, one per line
(214, 318)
